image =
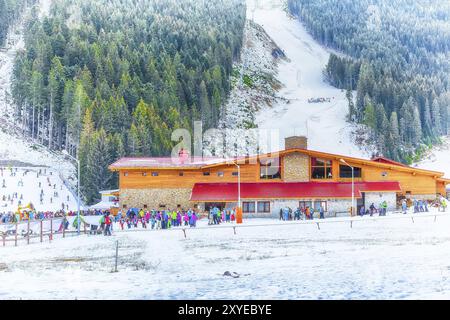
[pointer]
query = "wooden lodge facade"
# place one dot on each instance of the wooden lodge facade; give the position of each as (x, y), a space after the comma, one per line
(293, 177)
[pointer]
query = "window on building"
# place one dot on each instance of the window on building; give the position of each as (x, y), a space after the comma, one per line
(235, 174)
(318, 204)
(155, 174)
(264, 206)
(346, 172)
(125, 174)
(206, 173)
(248, 207)
(321, 169)
(270, 168)
(181, 174)
(144, 174)
(220, 174)
(305, 204)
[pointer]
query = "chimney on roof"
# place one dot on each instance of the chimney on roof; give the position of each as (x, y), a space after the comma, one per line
(183, 155)
(295, 142)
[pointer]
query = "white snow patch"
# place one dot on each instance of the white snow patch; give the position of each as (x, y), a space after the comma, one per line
(438, 159)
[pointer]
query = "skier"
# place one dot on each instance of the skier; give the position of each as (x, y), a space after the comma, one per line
(322, 212)
(297, 214)
(107, 225)
(193, 220)
(362, 211)
(372, 209)
(404, 206)
(443, 204)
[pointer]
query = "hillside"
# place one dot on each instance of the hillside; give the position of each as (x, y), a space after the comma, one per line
(116, 78)
(397, 59)
(280, 70)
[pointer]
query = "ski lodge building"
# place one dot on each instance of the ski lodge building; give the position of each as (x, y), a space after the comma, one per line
(294, 177)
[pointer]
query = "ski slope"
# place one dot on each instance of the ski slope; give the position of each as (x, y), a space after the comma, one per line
(34, 180)
(323, 123)
(376, 259)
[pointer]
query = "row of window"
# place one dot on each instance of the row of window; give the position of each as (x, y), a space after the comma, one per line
(264, 206)
(320, 169)
(270, 169)
(181, 174)
(250, 207)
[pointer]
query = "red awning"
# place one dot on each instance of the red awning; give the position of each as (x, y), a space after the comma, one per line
(228, 192)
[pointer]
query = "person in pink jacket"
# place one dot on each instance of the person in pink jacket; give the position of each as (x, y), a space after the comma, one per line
(186, 219)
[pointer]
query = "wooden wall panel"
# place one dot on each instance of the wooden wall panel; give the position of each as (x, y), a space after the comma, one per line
(416, 184)
(171, 178)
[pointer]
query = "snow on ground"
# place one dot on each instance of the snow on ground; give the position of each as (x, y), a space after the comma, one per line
(47, 181)
(438, 159)
(301, 76)
(382, 258)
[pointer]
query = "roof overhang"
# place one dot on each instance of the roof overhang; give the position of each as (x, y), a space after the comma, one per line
(228, 192)
(131, 164)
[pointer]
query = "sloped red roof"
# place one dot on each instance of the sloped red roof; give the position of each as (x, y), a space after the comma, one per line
(388, 161)
(167, 162)
(228, 192)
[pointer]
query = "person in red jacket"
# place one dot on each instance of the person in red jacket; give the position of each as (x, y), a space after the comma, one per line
(108, 223)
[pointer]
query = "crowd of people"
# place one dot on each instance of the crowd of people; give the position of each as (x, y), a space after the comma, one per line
(167, 218)
(156, 219)
(217, 216)
(301, 213)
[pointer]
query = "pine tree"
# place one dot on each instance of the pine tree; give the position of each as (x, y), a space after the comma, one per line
(351, 106)
(436, 118)
(370, 118)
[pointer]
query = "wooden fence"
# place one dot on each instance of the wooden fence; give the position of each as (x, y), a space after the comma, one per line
(22, 231)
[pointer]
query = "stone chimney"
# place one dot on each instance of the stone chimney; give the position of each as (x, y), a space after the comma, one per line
(294, 142)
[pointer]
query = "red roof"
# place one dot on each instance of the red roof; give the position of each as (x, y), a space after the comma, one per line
(388, 161)
(228, 192)
(168, 162)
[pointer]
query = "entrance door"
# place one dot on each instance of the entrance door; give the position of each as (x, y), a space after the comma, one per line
(361, 202)
(219, 205)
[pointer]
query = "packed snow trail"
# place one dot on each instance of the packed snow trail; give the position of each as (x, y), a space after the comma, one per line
(323, 123)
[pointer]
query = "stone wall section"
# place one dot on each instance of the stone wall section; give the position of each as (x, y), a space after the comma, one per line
(154, 198)
(296, 167)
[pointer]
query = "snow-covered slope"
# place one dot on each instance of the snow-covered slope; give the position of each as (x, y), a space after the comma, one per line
(14, 148)
(301, 77)
(28, 183)
(438, 159)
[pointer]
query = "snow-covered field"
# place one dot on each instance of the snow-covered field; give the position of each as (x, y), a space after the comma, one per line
(301, 76)
(384, 258)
